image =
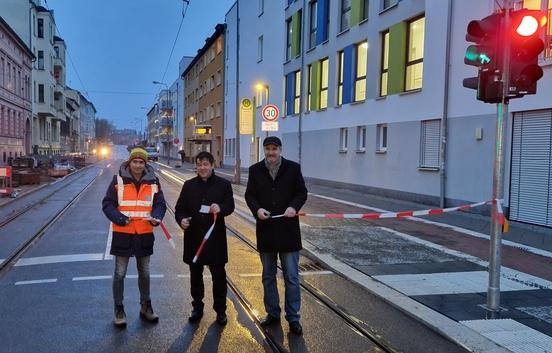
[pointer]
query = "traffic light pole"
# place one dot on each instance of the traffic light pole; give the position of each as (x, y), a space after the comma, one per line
(495, 254)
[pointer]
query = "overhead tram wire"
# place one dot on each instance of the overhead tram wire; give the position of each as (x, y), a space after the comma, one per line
(185, 9)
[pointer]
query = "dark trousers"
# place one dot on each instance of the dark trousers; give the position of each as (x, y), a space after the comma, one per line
(218, 275)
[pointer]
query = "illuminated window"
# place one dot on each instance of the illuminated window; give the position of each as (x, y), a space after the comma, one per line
(297, 95)
(324, 84)
(340, 59)
(415, 54)
(360, 76)
(384, 64)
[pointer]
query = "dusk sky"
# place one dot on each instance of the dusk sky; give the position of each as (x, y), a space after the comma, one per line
(120, 46)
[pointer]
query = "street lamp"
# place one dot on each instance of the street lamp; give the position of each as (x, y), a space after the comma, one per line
(169, 143)
(260, 87)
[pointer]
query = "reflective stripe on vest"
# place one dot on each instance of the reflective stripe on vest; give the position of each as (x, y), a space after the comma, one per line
(137, 205)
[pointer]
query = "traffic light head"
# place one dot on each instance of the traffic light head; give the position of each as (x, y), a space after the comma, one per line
(485, 34)
(526, 32)
(486, 55)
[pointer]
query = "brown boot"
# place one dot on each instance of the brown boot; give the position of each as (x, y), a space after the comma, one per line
(120, 316)
(146, 312)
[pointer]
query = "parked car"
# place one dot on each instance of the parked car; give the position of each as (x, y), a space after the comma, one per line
(153, 155)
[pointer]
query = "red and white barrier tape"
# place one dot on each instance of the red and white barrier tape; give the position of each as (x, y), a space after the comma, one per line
(403, 214)
(205, 238)
(167, 235)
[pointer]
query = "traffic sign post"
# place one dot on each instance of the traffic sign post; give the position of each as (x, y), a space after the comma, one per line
(270, 114)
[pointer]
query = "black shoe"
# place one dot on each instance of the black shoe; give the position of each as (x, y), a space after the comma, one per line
(196, 315)
(295, 327)
(222, 319)
(269, 320)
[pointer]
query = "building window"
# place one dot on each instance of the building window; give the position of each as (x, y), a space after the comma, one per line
(218, 111)
(261, 7)
(345, 14)
(40, 93)
(388, 3)
(381, 138)
(361, 138)
(40, 28)
(260, 49)
(384, 64)
(2, 69)
(415, 54)
(40, 61)
(360, 76)
(219, 45)
(297, 96)
(340, 60)
(324, 83)
(289, 33)
(430, 143)
(365, 4)
(309, 88)
(219, 77)
(312, 23)
(343, 135)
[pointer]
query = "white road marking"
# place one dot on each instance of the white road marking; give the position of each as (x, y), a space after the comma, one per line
(91, 278)
(446, 283)
(512, 334)
(304, 273)
(107, 255)
(455, 228)
(151, 276)
(28, 261)
(38, 281)
(507, 272)
(188, 276)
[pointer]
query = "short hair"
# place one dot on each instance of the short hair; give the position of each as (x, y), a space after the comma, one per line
(205, 155)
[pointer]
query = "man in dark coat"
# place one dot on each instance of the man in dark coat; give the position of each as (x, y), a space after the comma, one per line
(201, 198)
(276, 187)
(134, 203)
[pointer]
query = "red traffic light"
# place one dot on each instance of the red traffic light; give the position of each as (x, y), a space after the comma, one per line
(528, 26)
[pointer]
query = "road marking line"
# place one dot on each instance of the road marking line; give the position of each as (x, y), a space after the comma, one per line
(279, 274)
(91, 278)
(527, 248)
(188, 276)
(507, 272)
(107, 255)
(447, 283)
(151, 276)
(28, 261)
(51, 280)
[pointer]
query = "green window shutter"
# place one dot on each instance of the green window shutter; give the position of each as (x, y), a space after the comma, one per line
(356, 12)
(315, 85)
(397, 58)
(296, 35)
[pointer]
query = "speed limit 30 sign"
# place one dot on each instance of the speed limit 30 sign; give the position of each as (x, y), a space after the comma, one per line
(270, 112)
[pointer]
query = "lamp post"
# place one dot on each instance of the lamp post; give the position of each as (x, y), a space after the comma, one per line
(169, 143)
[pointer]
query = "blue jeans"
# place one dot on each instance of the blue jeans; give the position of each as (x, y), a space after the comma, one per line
(290, 269)
(121, 265)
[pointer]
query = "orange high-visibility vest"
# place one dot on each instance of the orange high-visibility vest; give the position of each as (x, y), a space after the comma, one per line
(135, 204)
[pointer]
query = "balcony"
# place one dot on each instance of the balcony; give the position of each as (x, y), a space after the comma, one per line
(165, 137)
(201, 133)
(166, 122)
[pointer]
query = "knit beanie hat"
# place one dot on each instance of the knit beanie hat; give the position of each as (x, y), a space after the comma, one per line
(138, 152)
